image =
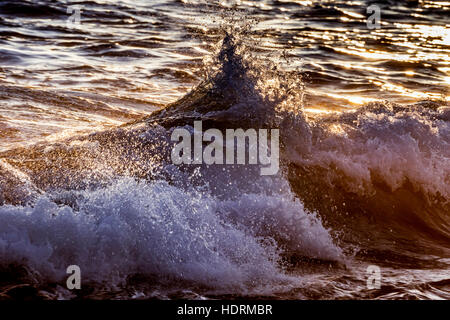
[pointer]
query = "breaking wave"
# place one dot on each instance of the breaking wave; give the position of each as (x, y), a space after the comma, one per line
(372, 180)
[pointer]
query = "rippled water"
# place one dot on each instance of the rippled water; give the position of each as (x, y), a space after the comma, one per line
(366, 186)
(128, 58)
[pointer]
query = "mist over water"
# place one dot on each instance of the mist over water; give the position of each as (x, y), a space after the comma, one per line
(86, 115)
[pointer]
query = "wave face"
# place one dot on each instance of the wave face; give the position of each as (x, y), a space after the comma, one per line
(368, 186)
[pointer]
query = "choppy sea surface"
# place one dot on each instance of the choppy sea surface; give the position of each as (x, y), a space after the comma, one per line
(90, 92)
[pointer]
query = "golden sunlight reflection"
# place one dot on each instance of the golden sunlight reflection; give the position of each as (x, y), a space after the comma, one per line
(317, 110)
(337, 129)
(354, 100)
(387, 86)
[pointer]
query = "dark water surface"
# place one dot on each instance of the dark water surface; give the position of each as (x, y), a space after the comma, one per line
(365, 132)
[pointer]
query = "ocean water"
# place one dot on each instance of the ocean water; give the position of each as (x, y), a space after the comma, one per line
(90, 92)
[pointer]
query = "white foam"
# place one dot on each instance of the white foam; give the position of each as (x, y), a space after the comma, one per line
(157, 229)
(394, 146)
